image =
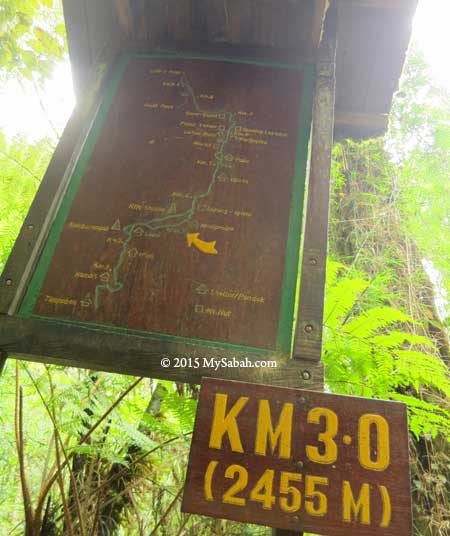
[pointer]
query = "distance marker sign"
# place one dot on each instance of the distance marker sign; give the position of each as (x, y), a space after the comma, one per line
(300, 460)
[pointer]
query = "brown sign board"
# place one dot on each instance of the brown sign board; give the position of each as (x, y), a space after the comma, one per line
(180, 220)
(300, 460)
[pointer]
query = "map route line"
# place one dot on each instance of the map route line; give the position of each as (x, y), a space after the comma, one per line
(171, 221)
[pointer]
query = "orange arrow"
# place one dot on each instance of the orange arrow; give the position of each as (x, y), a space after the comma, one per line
(204, 247)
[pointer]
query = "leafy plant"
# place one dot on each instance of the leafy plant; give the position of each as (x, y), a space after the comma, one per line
(369, 353)
(22, 167)
(32, 37)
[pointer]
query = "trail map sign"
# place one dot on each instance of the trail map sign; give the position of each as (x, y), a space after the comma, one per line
(300, 460)
(182, 217)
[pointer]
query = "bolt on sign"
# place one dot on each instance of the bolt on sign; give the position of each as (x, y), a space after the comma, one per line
(179, 218)
(300, 460)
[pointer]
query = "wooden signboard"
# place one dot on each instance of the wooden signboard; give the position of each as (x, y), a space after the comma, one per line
(180, 221)
(300, 460)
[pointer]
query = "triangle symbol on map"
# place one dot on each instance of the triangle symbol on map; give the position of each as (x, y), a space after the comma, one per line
(116, 226)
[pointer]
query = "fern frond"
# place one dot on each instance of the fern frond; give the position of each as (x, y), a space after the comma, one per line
(334, 269)
(421, 369)
(341, 299)
(369, 322)
(425, 417)
(395, 339)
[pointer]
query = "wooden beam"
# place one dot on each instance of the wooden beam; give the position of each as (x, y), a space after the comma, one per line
(217, 21)
(409, 5)
(77, 30)
(321, 7)
(308, 339)
(365, 120)
(75, 346)
(124, 14)
(360, 125)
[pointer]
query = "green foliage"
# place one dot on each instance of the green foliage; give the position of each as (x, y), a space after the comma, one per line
(420, 138)
(127, 456)
(372, 233)
(32, 37)
(122, 449)
(367, 353)
(22, 166)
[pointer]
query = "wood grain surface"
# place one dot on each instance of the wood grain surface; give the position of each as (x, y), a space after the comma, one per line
(344, 459)
(47, 341)
(187, 147)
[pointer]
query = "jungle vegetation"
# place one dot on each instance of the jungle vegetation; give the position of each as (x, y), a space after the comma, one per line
(86, 452)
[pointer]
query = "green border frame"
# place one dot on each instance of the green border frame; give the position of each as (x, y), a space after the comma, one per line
(292, 255)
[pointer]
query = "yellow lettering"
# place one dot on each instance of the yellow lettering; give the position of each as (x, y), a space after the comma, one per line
(387, 508)
(353, 509)
(229, 497)
(286, 488)
(316, 502)
(265, 431)
(208, 480)
(262, 492)
(224, 423)
(327, 437)
(382, 459)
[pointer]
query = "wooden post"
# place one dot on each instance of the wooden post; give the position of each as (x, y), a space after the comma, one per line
(308, 338)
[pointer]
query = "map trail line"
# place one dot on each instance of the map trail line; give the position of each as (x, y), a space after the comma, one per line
(171, 221)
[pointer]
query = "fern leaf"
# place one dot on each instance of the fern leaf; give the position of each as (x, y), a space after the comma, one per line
(341, 299)
(371, 321)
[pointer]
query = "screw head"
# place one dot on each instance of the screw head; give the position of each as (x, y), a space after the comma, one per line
(306, 375)
(9, 282)
(299, 465)
(309, 328)
(313, 261)
(30, 227)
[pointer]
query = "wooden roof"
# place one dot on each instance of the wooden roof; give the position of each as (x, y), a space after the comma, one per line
(373, 37)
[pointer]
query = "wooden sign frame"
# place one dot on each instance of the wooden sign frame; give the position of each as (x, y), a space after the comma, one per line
(28, 336)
